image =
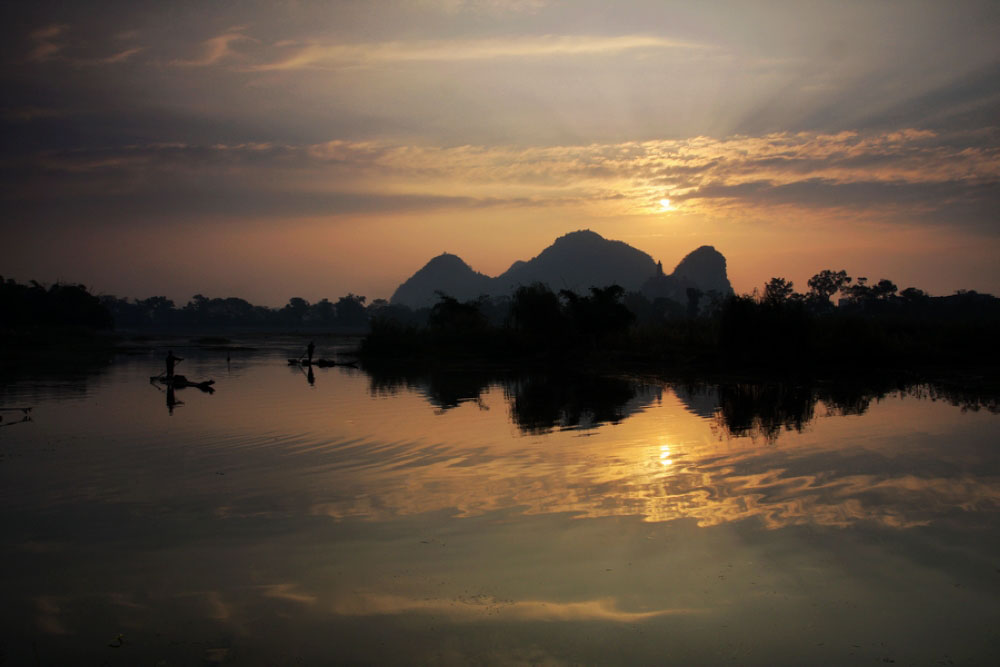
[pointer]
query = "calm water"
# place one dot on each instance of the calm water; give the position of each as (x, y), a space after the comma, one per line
(459, 519)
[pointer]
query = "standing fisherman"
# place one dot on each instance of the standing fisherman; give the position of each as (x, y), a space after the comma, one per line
(309, 351)
(171, 360)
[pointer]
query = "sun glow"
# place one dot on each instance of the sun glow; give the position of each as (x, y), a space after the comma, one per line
(665, 459)
(665, 205)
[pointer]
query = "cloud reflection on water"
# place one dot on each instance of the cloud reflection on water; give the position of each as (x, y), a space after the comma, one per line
(674, 515)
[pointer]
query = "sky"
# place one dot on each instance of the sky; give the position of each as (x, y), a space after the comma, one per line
(276, 149)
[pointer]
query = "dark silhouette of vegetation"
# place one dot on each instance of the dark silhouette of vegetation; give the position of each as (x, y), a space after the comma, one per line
(825, 284)
(778, 290)
(348, 314)
(31, 308)
(600, 315)
(452, 318)
(780, 330)
(536, 322)
(34, 306)
(535, 312)
(870, 324)
(44, 328)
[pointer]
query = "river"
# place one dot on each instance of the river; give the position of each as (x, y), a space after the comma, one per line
(490, 518)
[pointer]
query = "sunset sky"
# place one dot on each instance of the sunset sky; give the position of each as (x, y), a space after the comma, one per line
(279, 149)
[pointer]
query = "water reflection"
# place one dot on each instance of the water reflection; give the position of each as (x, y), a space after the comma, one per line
(443, 389)
(540, 403)
(505, 517)
(709, 467)
(13, 416)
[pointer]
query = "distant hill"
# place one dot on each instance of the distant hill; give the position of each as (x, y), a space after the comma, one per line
(579, 261)
(576, 261)
(445, 273)
(703, 269)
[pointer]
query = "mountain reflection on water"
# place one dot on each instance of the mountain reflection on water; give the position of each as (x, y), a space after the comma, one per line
(540, 403)
(733, 474)
(494, 518)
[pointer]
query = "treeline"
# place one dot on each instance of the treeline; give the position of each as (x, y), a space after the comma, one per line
(871, 325)
(159, 313)
(34, 306)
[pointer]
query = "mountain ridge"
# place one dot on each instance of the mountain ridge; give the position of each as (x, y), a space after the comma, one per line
(575, 261)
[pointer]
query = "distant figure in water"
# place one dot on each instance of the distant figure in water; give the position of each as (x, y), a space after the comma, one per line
(309, 351)
(171, 360)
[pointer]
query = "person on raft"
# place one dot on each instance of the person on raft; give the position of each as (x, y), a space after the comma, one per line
(171, 360)
(309, 351)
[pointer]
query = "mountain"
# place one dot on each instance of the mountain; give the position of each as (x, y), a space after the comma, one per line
(446, 273)
(703, 269)
(706, 269)
(576, 261)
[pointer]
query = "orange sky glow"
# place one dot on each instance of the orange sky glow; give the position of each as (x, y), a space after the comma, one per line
(326, 148)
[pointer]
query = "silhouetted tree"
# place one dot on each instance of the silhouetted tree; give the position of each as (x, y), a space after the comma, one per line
(196, 308)
(61, 305)
(600, 314)
(913, 295)
(451, 316)
(157, 310)
(826, 283)
(778, 290)
(536, 310)
(377, 305)
(885, 289)
(351, 311)
(859, 292)
(294, 311)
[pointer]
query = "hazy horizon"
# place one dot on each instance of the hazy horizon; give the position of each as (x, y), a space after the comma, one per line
(181, 300)
(267, 151)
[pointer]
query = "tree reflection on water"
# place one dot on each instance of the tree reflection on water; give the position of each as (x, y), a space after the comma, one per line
(540, 403)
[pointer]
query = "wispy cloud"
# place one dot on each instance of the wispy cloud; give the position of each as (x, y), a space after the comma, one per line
(54, 43)
(909, 174)
(494, 7)
(26, 114)
(215, 49)
(318, 55)
(485, 607)
(114, 58)
(46, 42)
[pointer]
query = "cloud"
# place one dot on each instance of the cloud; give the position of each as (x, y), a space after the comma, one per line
(119, 57)
(46, 44)
(319, 55)
(28, 114)
(481, 607)
(908, 175)
(215, 49)
(288, 593)
(492, 7)
(51, 43)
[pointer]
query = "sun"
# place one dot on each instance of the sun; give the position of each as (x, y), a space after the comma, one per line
(665, 205)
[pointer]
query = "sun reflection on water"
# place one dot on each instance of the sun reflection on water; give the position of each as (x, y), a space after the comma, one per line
(665, 459)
